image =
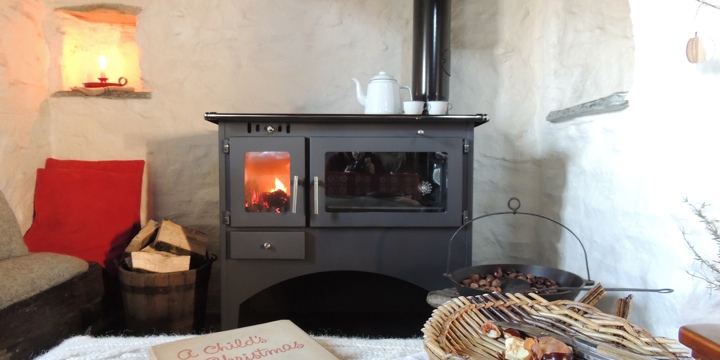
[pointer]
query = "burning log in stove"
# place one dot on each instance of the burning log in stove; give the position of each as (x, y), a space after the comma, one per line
(274, 200)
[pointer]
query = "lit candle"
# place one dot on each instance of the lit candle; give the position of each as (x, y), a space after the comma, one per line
(103, 64)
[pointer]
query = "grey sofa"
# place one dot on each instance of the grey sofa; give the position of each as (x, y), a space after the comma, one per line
(44, 297)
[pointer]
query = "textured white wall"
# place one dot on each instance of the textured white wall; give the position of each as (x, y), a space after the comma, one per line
(24, 121)
(617, 179)
(636, 167)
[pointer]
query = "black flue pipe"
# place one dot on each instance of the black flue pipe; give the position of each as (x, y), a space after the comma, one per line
(431, 50)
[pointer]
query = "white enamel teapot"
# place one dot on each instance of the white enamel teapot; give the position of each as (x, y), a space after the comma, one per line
(383, 95)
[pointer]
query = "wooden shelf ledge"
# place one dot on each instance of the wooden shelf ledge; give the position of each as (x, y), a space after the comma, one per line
(107, 95)
(702, 339)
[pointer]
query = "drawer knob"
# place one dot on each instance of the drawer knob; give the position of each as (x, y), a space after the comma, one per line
(266, 246)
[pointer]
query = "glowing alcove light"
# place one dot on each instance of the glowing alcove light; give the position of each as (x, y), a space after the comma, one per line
(98, 42)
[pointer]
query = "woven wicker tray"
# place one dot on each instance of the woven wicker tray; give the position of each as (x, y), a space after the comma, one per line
(454, 329)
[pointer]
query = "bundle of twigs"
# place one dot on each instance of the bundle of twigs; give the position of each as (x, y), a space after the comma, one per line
(706, 264)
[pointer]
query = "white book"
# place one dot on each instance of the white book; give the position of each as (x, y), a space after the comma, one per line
(276, 340)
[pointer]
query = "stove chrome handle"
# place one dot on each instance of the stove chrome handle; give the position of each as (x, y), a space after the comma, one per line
(317, 194)
(294, 196)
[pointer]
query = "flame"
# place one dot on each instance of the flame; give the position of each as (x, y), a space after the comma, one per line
(279, 186)
(102, 61)
(264, 191)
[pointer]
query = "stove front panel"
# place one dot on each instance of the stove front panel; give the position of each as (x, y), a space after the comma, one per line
(287, 213)
(416, 256)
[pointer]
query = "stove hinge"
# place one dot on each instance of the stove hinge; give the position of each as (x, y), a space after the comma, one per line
(465, 217)
(226, 218)
(466, 146)
(226, 146)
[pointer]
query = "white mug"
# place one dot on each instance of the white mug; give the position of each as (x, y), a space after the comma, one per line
(438, 107)
(413, 107)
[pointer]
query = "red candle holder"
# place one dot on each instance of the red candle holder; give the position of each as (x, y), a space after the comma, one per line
(122, 81)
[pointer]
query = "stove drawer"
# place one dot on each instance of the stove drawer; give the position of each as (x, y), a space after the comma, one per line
(267, 245)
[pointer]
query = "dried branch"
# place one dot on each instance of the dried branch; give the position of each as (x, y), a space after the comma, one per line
(708, 4)
(711, 226)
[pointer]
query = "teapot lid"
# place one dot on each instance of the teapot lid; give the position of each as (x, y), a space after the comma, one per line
(383, 76)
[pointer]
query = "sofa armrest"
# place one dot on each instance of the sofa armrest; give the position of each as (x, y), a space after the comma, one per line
(42, 321)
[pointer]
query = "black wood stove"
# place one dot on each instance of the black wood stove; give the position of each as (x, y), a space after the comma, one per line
(337, 216)
(342, 223)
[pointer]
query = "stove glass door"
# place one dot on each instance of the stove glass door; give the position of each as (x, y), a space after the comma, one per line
(386, 181)
(267, 177)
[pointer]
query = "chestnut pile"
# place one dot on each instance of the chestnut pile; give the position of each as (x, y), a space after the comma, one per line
(520, 346)
(493, 282)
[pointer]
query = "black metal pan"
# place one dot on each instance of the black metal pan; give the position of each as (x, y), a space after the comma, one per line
(561, 277)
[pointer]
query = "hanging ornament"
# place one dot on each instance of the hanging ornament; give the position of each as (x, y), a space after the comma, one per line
(697, 50)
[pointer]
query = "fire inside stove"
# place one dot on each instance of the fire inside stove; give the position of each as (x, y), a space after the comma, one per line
(267, 174)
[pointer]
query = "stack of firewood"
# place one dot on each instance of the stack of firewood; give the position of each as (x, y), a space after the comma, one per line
(164, 247)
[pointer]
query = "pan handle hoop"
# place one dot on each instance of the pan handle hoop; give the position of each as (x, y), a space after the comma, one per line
(514, 205)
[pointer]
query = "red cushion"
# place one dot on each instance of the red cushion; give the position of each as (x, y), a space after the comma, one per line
(87, 213)
(121, 166)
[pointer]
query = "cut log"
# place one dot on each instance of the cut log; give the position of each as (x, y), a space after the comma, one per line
(143, 238)
(159, 261)
(622, 306)
(180, 240)
(593, 296)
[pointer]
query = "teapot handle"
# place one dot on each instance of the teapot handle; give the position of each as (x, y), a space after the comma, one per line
(409, 91)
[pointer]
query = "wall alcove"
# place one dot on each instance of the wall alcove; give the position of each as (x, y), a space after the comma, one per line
(98, 41)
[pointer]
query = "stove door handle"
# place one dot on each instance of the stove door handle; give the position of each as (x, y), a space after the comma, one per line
(316, 190)
(294, 196)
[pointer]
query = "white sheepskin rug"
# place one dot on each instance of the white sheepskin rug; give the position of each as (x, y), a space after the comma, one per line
(105, 348)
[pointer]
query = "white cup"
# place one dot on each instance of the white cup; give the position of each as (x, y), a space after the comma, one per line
(438, 107)
(413, 107)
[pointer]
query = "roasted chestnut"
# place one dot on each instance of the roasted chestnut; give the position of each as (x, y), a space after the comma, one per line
(512, 332)
(549, 348)
(520, 346)
(493, 281)
(550, 344)
(491, 330)
(558, 356)
(515, 349)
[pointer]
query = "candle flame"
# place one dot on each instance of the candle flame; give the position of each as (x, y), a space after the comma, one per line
(102, 61)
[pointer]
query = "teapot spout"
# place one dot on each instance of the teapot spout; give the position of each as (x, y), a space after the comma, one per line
(362, 99)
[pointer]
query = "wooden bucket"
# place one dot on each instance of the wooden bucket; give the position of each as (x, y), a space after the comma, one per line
(165, 303)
